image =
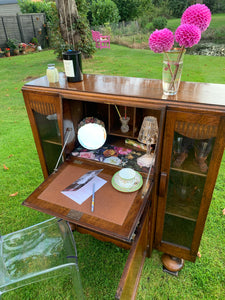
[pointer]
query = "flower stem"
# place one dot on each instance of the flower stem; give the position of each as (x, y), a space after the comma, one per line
(169, 66)
(177, 67)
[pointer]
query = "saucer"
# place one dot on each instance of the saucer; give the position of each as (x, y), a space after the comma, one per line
(136, 186)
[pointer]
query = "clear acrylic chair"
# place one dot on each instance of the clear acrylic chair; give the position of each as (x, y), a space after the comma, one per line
(39, 252)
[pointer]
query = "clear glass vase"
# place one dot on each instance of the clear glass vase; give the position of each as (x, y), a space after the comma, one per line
(124, 124)
(172, 70)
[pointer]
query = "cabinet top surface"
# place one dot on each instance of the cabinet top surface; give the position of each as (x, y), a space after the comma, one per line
(189, 92)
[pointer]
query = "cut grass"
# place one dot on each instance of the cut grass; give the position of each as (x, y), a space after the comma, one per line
(101, 264)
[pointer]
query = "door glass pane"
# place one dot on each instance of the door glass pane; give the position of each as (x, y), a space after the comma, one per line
(50, 138)
(188, 172)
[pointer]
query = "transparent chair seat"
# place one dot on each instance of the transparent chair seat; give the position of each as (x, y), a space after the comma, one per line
(39, 252)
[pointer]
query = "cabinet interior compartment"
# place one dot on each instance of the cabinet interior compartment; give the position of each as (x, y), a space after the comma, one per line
(75, 111)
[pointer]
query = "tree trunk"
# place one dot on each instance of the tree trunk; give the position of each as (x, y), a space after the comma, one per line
(68, 15)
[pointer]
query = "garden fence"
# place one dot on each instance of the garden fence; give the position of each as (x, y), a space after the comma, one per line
(23, 27)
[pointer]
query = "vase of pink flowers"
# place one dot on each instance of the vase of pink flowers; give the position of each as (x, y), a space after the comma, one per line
(195, 19)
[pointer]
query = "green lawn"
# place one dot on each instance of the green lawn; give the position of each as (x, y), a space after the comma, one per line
(101, 264)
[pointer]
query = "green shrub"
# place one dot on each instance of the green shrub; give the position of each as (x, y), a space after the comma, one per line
(128, 9)
(159, 22)
(12, 44)
(177, 7)
(149, 26)
(104, 11)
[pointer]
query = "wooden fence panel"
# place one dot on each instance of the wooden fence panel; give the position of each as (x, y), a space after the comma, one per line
(11, 27)
(22, 27)
(30, 24)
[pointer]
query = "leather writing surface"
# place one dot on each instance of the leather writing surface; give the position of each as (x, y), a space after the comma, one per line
(110, 204)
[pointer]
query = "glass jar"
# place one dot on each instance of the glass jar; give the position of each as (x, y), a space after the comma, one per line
(52, 73)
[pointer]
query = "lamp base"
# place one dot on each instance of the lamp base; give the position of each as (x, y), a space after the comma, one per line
(145, 160)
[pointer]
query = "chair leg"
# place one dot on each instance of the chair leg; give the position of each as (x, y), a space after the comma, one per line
(77, 291)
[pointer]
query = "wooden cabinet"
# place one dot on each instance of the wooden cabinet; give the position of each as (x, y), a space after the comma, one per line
(171, 214)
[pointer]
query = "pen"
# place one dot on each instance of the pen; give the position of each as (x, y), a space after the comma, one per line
(93, 198)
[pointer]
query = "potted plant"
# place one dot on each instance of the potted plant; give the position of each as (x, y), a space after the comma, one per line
(13, 45)
(36, 43)
(30, 47)
(22, 48)
(7, 52)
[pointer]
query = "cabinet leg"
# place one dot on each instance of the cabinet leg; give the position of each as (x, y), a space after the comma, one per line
(172, 264)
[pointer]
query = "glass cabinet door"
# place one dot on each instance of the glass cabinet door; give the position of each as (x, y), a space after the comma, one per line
(187, 177)
(50, 138)
(45, 114)
(193, 146)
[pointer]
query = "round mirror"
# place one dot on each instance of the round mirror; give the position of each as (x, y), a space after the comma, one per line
(91, 133)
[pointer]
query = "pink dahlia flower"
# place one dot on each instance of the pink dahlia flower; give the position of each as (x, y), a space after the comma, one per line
(198, 15)
(161, 40)
(187, 35)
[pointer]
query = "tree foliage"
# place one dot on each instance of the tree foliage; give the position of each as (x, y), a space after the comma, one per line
(104, 11)
(46, 7)
(128, 9)
(216, 6)
(177, 7)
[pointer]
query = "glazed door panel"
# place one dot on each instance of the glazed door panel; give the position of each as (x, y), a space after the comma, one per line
(45, 115)
(192, 151)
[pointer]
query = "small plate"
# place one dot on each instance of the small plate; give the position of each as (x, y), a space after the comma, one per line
(136, 186)
(92, 136)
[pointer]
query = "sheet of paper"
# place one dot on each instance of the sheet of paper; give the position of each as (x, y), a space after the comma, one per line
(83, 193)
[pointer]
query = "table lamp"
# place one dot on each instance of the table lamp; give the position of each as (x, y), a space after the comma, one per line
(148, 135)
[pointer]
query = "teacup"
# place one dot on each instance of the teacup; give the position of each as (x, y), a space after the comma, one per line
(126, 177)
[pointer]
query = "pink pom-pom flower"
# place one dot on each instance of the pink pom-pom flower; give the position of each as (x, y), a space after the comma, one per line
(187, 35)
(198, 15)
(161, 40)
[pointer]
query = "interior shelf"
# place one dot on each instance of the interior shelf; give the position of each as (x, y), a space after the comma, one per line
(53, 140)
(128, 134)
(187, 209)
(189, 166)
(189, 172)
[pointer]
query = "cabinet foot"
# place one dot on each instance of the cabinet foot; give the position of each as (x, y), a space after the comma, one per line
(172, 264)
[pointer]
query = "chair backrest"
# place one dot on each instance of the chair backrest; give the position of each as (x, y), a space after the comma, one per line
(97, 35)
(38, 252)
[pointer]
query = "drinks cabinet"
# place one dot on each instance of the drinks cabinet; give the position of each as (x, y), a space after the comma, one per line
(169, 212)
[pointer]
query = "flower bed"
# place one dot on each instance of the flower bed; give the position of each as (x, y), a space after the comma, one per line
(30, 48)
